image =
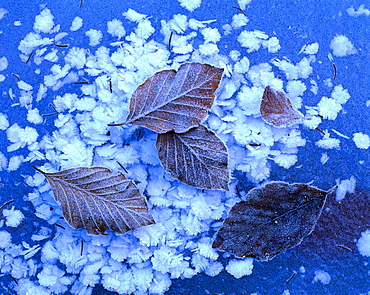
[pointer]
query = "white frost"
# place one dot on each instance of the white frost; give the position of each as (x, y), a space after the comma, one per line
(252, 40)
(211, 35)
(345, 186)
(20, 137)
(76, 24)
(360, 11)
(44, 22)
(243, 3)
(5, 239)
(116, 29)
(95, 36)
(286, 161)
(322, 277)
(342, 46)
(76, 57)
(242, 66)
(24, 86)
(324, 158)
(15, 162)
(311, 48)
(190, 4)
(327, 142)
(3, 63)
(363, 243)
(239, 20)
(34, 117)
(3, 161)
(208, 49)
(240, 268)
(362, 141)
(134, 16)
(32, 41)
(13, 217)
(329, 108)
(340, 95)
(3, 11)
(4, 124)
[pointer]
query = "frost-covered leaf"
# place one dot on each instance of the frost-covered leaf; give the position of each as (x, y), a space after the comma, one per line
(175, 101)
(98, 199)
(272, 219)
(277, 109)
(197, 157)
(339, 227)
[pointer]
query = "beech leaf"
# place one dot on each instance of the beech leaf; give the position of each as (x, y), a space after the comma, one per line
(271, 220)
(98, 199)
(175, 101)
(339, 227)
(197, 157)
(276, 109)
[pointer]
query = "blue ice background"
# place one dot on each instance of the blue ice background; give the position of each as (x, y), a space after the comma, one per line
(314, 21)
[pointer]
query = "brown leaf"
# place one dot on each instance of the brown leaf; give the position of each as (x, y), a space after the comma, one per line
(98, 199)
(175, 101)
(197, 157)
(277, 109)
(272, 219)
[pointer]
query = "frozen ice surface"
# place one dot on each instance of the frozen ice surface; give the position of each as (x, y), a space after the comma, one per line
(86, 84)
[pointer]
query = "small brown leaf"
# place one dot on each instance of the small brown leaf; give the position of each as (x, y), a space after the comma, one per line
(175, 101)
(98, 199)
(277, 109)
(197, 157)
(271, 220)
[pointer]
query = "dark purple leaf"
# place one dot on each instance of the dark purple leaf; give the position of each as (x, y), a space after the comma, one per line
(339, 227)
(272, 219)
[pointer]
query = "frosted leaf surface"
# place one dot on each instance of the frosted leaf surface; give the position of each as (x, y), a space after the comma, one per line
(98, 199)
(277, 109)
(177, 101)
(271, 220)
(198, 158)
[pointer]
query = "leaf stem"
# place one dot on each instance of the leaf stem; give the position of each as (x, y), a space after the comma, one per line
(116, 124)
(124, 169)
(6, 204)
(37, 169)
